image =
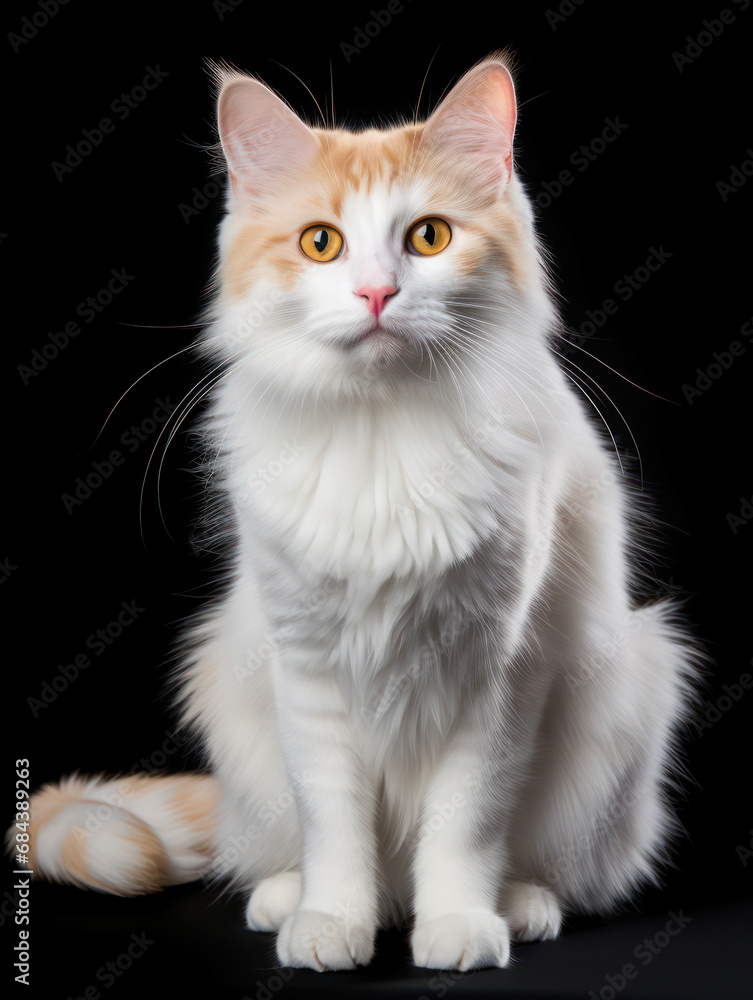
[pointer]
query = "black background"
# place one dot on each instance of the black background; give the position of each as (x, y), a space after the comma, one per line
(66, 573)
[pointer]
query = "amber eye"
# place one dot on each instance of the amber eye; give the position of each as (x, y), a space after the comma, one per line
(428, 236)
(321, 243)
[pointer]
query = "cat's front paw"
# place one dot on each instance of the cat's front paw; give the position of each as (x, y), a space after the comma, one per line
(312, 940)
(473, 939)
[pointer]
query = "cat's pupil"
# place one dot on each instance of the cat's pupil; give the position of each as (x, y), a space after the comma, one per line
(428, 233)
(321, 240)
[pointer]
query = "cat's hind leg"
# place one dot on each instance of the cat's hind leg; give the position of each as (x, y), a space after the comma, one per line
(597, 824)
(533, 911)
(273, 899)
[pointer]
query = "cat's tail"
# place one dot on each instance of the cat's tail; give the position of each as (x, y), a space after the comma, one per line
(127, 835)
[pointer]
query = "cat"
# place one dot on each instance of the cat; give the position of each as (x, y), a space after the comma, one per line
(429, 695)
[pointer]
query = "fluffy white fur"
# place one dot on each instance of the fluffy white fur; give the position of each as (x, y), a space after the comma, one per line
(430, 692)
(427, 693)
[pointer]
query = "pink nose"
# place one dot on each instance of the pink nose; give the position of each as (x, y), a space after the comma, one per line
(376, 297)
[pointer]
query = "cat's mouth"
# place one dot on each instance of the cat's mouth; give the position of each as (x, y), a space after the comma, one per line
(377, 336)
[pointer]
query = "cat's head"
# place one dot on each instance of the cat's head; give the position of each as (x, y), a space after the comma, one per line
(349, 260)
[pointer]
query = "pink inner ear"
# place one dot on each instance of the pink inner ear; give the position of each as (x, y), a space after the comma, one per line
(477, 118)
(261, 136)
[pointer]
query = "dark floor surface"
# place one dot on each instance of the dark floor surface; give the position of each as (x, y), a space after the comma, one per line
(192, 944)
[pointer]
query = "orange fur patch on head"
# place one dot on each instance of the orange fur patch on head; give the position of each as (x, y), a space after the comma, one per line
(496, 228)
(357, 161)
(345, 162)
(500, 241)
(255, 246)
(348, 162)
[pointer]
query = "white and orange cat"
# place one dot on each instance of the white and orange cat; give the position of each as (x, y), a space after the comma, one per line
(427, 695)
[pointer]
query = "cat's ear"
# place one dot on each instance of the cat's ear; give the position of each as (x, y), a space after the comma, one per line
(261, 137)
(477, 120)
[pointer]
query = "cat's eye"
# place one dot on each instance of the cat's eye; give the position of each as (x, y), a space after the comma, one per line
(429, 236)
(322, 243)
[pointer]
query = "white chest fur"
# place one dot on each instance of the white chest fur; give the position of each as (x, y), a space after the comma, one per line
(376, 495)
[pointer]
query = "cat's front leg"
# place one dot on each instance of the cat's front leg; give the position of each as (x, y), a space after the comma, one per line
(457, 865)
(335, 924)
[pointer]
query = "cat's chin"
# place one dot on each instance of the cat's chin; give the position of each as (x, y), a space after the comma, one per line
(378, 340)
